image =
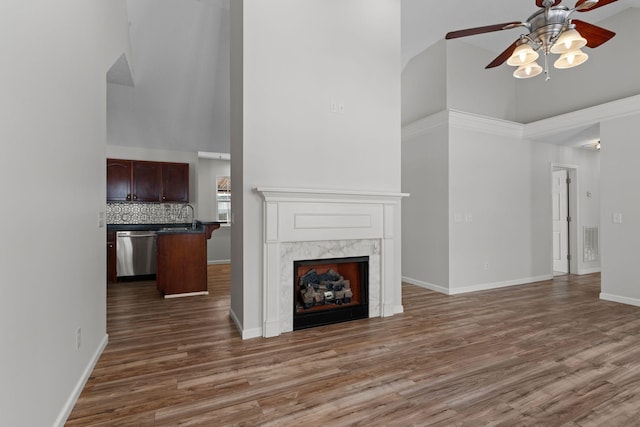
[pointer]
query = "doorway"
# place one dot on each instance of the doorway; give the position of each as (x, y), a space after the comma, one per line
(564, 218)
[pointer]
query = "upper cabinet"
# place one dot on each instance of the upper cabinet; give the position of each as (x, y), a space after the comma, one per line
(119, 180)
(175, 182)
(143, 181)
(146, 183)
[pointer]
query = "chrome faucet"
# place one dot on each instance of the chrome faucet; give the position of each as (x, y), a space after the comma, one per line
(193, 214)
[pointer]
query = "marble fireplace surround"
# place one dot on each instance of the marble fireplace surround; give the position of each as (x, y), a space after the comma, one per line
(303, 224)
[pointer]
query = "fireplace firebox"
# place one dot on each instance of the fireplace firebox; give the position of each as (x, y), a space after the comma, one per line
(330, 291)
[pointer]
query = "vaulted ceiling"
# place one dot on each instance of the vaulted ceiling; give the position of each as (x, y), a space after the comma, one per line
(180, 61)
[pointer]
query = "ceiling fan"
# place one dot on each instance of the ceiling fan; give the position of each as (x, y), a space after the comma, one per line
(550, 30)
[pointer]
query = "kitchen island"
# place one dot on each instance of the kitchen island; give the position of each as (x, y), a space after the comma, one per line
(182, 259)
(181, 255)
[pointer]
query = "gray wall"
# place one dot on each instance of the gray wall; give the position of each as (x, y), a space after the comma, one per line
(219, 246)
(52, 257)
(425, 232)
(424, 84)
(181, 73)
(288, 86)
(620, 177)
(480, 212)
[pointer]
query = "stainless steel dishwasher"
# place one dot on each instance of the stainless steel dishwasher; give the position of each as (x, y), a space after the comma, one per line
(135, 253)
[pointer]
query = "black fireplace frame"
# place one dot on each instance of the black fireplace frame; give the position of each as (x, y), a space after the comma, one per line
(337, 313)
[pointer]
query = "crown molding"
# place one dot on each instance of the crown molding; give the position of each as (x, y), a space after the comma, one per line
(533, 131)
(485, 124)
(462, 120)
(425, 124)
(581, 118)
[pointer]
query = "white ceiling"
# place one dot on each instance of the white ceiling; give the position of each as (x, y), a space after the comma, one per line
(424, 22)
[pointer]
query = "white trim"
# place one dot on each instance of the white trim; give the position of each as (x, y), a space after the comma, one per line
(186, 294)
(244, 333)
(398, 309)
(575, 239)
(591, 270)
(584, 117)
(426, 285)
(425, 124)
(485, 124)
(213, 156)
(537, 130)
(73, 397)
(299, 221)
(620, 299)
(275, 194)
(498, 285)
(218, 262)
(463, 120)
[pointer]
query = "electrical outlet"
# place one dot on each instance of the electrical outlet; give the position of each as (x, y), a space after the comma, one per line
(486, 265)
(78, 338)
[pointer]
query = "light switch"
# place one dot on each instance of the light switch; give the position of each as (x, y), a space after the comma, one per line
(457, 217)
(468, 217)
(617, 218)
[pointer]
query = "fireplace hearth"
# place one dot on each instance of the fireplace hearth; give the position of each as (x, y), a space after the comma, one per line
(328, 291)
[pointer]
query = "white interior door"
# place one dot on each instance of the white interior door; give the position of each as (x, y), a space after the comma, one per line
(560, 224)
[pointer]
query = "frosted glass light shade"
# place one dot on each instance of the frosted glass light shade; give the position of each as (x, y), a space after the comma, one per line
(523, 54)
(525, 71)
(571, 59)
(568, 41)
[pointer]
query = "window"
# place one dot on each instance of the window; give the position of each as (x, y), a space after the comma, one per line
(223, 198)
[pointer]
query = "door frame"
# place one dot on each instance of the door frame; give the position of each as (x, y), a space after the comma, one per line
(574, 213)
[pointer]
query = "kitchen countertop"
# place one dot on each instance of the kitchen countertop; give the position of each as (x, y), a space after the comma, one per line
(167, 228)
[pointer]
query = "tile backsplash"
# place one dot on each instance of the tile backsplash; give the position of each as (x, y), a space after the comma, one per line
(146, 213)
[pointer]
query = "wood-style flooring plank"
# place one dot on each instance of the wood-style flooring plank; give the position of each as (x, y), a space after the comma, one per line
(548, 353)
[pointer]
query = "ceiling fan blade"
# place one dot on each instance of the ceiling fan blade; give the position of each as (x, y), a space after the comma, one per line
(540, 3)
(595, 35)
(481, 30)
(597, 5)
(504, 55)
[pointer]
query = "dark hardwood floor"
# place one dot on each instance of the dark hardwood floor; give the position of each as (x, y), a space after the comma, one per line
(545, 354)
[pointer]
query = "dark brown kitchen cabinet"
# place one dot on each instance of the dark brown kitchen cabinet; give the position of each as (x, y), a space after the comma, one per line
(144, 181)
(111, 257)
(119, 180)
(182, 263)
(175, 182)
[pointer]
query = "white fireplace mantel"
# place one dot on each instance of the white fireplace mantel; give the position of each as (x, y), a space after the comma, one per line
(316, 224)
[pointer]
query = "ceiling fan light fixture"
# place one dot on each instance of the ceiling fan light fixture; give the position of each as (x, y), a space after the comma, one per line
(523, 54)
(571, 59)
(526, 71)
(568, 41)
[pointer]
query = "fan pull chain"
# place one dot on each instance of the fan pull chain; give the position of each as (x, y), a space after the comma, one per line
(546, 68)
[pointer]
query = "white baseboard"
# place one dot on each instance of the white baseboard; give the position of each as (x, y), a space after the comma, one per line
(186, 294)
(73, 398)
(398, 309)
(248, 333)
(582, 271)
(498, 285)
(476, 288)
(426, 285)
(219, 262)
(620, 299)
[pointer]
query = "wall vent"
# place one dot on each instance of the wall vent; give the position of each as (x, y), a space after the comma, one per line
(591, 244)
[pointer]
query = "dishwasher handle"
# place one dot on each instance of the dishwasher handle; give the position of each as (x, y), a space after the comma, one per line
(130, 234)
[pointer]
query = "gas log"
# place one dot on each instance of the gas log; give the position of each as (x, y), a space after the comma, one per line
(326, 288)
